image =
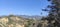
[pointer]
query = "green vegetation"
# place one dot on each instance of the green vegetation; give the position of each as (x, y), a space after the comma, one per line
(29, 22)
(54, 13)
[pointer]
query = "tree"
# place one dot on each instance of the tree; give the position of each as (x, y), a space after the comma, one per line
(54, 12)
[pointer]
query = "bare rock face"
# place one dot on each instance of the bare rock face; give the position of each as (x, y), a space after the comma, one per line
(4, 20)
(12, 21)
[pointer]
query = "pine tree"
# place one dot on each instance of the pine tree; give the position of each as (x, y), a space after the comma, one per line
(54, 12)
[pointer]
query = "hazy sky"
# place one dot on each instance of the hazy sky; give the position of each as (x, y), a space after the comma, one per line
(22, 7)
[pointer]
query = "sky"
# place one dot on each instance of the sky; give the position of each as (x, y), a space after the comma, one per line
(23, 7)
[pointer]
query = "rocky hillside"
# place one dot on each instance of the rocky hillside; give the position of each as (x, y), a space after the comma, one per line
(22, 21)
(16, 21)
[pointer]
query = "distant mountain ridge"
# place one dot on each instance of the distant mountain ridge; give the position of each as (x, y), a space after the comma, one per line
(30, 17)
(26, 16)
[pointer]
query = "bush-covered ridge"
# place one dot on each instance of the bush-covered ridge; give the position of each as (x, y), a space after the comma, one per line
(16, 21)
